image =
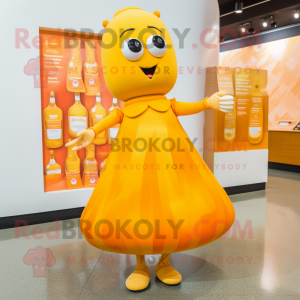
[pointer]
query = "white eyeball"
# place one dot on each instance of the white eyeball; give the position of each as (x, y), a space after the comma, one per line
(156, 45)
(132, 49)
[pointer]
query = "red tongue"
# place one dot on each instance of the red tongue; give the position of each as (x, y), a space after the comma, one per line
(149, 76)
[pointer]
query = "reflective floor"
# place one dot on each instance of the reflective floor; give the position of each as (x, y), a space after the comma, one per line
(258, 259)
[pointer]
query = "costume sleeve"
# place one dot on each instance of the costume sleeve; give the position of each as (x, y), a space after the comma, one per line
(116, 117)
(189, 108)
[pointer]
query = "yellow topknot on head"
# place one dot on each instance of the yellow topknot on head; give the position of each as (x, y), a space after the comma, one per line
(157, 13)
(105, 23)
(126, 8)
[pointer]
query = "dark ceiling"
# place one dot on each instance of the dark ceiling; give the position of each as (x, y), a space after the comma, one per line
(282, 10)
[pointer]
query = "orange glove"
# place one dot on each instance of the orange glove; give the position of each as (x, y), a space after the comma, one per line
(85, 138)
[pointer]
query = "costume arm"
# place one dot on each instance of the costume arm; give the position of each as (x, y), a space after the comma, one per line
(116, 117)
(189, 108)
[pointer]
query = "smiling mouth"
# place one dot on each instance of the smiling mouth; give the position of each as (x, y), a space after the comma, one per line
(149, 72)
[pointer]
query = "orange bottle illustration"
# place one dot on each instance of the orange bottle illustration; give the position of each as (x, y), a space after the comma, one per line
(230, 125)
(113, 132)
(91, 70)
(53, 124)
(97, 113)
(90, 163)
(53, 167)
(78, 117)
(256, 119)
(90, 175)
(74, 69)
(72, 166)
(72, 161)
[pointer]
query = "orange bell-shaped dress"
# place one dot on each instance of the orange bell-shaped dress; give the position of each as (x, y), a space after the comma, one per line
(156, 194)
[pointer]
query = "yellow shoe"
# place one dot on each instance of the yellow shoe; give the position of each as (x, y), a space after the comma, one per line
(166, 273)
(140, 277)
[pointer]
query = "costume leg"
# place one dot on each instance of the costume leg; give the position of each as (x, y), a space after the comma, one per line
(165, 272)
(140, 278)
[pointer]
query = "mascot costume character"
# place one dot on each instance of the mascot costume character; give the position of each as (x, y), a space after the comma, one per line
(156, 188)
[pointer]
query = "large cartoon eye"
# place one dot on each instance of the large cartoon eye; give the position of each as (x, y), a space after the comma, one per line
(156, 45)
(132, 49)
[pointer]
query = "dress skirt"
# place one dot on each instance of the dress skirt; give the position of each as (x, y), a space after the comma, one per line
(156, 194)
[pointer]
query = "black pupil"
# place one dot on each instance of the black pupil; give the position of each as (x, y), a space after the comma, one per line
(158, 41)
(135, 45)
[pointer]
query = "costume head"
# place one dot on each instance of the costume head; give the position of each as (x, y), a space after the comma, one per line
(138, 56)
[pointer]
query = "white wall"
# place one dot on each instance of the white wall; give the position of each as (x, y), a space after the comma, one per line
(22, 190)
(241, 167)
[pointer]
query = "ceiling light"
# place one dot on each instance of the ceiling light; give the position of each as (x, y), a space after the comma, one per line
(265, 23)
(239, 7)
(296, 15)
(274, 23)
(251, 30)
(245, 25)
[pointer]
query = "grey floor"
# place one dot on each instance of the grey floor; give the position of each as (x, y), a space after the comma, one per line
(258, 259)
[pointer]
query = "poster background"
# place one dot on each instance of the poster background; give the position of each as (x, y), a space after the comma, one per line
(65, 99)
(282, 61)
(241, 142)
(228, 80)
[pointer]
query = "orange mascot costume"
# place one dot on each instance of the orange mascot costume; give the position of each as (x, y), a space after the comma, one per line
(156, 195)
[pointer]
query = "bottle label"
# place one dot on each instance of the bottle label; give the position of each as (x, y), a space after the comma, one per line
(256, 121)
(92, 80)
(229, 131)
(53, 129)
(73, 180)
(90, 179)
(229, 116)
(113, 132)
(52, 100)
(53, 134)
(52, 161)
(78, 124)
(75, 83)
(91, 166)
(52, 172)
(97, 119)
(229, 121)
(256, 99)
(254, 130)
